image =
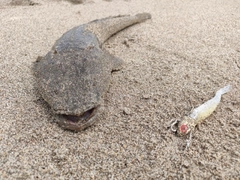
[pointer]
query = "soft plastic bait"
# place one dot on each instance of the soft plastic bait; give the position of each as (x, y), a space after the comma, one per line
(199, 114)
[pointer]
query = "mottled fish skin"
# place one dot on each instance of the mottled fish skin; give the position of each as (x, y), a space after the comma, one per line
(75, 74)
(202, 112)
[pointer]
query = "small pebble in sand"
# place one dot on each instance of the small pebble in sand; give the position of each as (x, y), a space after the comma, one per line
(126, 111)
(76, 1)
(22, 3)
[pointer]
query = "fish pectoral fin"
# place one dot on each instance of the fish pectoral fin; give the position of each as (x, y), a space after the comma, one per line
(116, 62)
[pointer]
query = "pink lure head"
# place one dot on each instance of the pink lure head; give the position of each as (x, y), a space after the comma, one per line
(183, 129)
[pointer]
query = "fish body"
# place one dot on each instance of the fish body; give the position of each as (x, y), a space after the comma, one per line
(75, 74)
(202, 112)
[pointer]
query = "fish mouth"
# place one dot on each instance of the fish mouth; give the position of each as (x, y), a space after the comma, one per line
(78, 122)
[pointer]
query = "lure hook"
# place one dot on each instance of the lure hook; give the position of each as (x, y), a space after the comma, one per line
(173, 123)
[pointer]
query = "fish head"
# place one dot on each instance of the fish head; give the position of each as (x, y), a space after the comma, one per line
(73, 84)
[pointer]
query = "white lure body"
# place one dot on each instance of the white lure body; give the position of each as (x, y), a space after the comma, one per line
(206, 109)
(202, 112)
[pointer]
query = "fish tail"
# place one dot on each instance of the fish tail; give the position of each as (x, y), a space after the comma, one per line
(105, 28)
(223, 90)
(143, 16)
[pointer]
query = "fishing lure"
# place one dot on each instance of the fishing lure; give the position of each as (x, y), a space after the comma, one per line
(199, 114)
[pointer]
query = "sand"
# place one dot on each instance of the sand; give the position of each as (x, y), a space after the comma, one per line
(173, 63)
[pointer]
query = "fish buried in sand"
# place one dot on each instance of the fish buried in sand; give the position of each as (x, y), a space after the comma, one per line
(75, 74)
(199, 114)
